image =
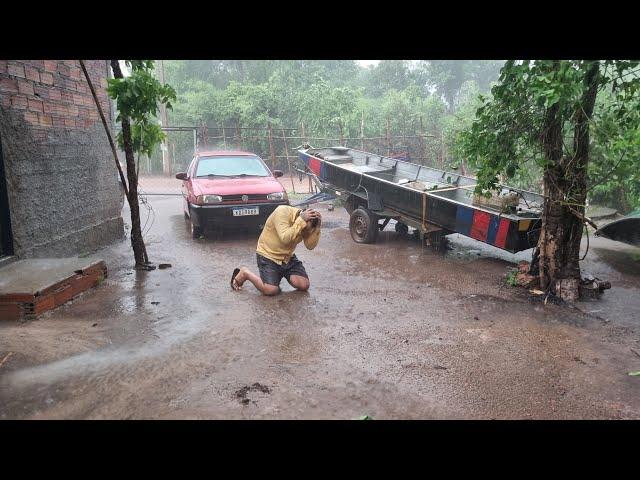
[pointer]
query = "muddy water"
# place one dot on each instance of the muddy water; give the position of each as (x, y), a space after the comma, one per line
(390, 330)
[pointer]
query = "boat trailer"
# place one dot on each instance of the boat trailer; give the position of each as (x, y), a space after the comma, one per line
(376, 189)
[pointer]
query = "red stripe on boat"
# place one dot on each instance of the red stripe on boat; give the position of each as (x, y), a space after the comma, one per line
(480, 225)
(503, 229)
(314, 165)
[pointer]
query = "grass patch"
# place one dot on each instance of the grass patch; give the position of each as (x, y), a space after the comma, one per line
(511, 278)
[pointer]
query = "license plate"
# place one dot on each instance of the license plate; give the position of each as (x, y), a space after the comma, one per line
(241, 212)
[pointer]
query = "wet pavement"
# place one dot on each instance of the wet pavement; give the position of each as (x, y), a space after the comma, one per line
(390, 330)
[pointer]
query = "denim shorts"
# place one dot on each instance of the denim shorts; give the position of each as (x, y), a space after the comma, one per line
(272, 273)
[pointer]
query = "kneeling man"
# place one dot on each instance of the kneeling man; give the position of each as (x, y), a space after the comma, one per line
(285, 228)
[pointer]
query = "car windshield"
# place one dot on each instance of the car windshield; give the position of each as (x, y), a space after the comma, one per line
(231, 167)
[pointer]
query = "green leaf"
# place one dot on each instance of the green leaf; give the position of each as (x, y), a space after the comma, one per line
(634, 374)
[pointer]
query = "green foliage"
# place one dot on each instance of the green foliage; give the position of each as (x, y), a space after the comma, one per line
(137, 97)
(511, 278)
(447, 77)
(614, 169)
(322, 94)
(507, 133)
(444, 94)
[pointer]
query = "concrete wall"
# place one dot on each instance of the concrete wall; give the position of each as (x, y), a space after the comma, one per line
(64, 193)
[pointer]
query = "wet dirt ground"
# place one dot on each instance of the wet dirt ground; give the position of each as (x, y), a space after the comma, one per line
(391, 330)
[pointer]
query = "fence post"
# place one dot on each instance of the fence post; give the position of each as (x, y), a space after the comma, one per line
(388, 137)
(341, 133)
(239, 141)
(362, 131)
(195, 140)
(271, 152)
(304, 133)
(423, 146)
(286, 152)
(224, 138)
(442, 150)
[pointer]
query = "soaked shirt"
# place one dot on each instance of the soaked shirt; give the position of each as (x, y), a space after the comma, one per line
(282, 232)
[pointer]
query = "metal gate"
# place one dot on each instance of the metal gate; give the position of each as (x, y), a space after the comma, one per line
(6, 240)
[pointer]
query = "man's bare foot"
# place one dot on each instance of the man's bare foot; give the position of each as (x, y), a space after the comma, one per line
(237, 280)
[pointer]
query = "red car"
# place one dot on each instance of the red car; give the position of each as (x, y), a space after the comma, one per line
(229, 189)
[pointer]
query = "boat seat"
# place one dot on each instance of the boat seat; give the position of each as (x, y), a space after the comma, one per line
(338, 158)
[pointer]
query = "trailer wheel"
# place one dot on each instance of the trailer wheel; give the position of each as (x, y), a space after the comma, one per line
(363, 226)
(352, 202)
(438, 241)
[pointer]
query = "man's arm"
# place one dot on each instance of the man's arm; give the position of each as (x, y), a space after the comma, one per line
(285, 230)
(312, 238)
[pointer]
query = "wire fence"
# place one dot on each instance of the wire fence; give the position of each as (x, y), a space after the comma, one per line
(277, 146)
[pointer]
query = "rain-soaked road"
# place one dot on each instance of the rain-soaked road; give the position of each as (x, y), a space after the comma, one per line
(390, 330)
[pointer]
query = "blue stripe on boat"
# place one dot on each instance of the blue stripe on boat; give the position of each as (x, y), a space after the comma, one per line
(464, 219)
(494, 223)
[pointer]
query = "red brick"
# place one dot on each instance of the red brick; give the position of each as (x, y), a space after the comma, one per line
(32, 74)
(76, 73)
(45, 120)
(10, 311)
(16, 70)
(6, 101)
(31, 117)
(69, 122)
(35, 105)
(43, 304)
(46, 77)
(49, 107)
(40, 91)
(64, 69)
(25, 87)
(3, 66)
(77, 99)
(54, 94)
(58, 121)
(9, 84)
(70, 84)
(16, 297)
(19, 102)
(66, 96)
(50, 66)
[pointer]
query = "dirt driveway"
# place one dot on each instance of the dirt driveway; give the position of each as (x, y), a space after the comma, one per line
(389, 330)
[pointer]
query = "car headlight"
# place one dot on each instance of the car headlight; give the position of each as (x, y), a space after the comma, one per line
(277, 196)
(205, 199)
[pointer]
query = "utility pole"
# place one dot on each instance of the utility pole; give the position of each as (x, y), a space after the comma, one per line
(166, 156)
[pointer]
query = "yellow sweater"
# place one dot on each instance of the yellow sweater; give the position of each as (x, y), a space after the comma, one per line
(282, 232)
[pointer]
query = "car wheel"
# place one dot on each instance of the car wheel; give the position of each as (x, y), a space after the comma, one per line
(363, 226)
(195, 231)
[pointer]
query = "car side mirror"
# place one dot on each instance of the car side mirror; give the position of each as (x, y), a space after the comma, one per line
(181, 176)
(278, 173)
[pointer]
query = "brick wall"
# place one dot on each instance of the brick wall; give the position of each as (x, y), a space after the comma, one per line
(64, 194)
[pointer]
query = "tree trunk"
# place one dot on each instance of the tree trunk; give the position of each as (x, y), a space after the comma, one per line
(565, 192)
(137, 242)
